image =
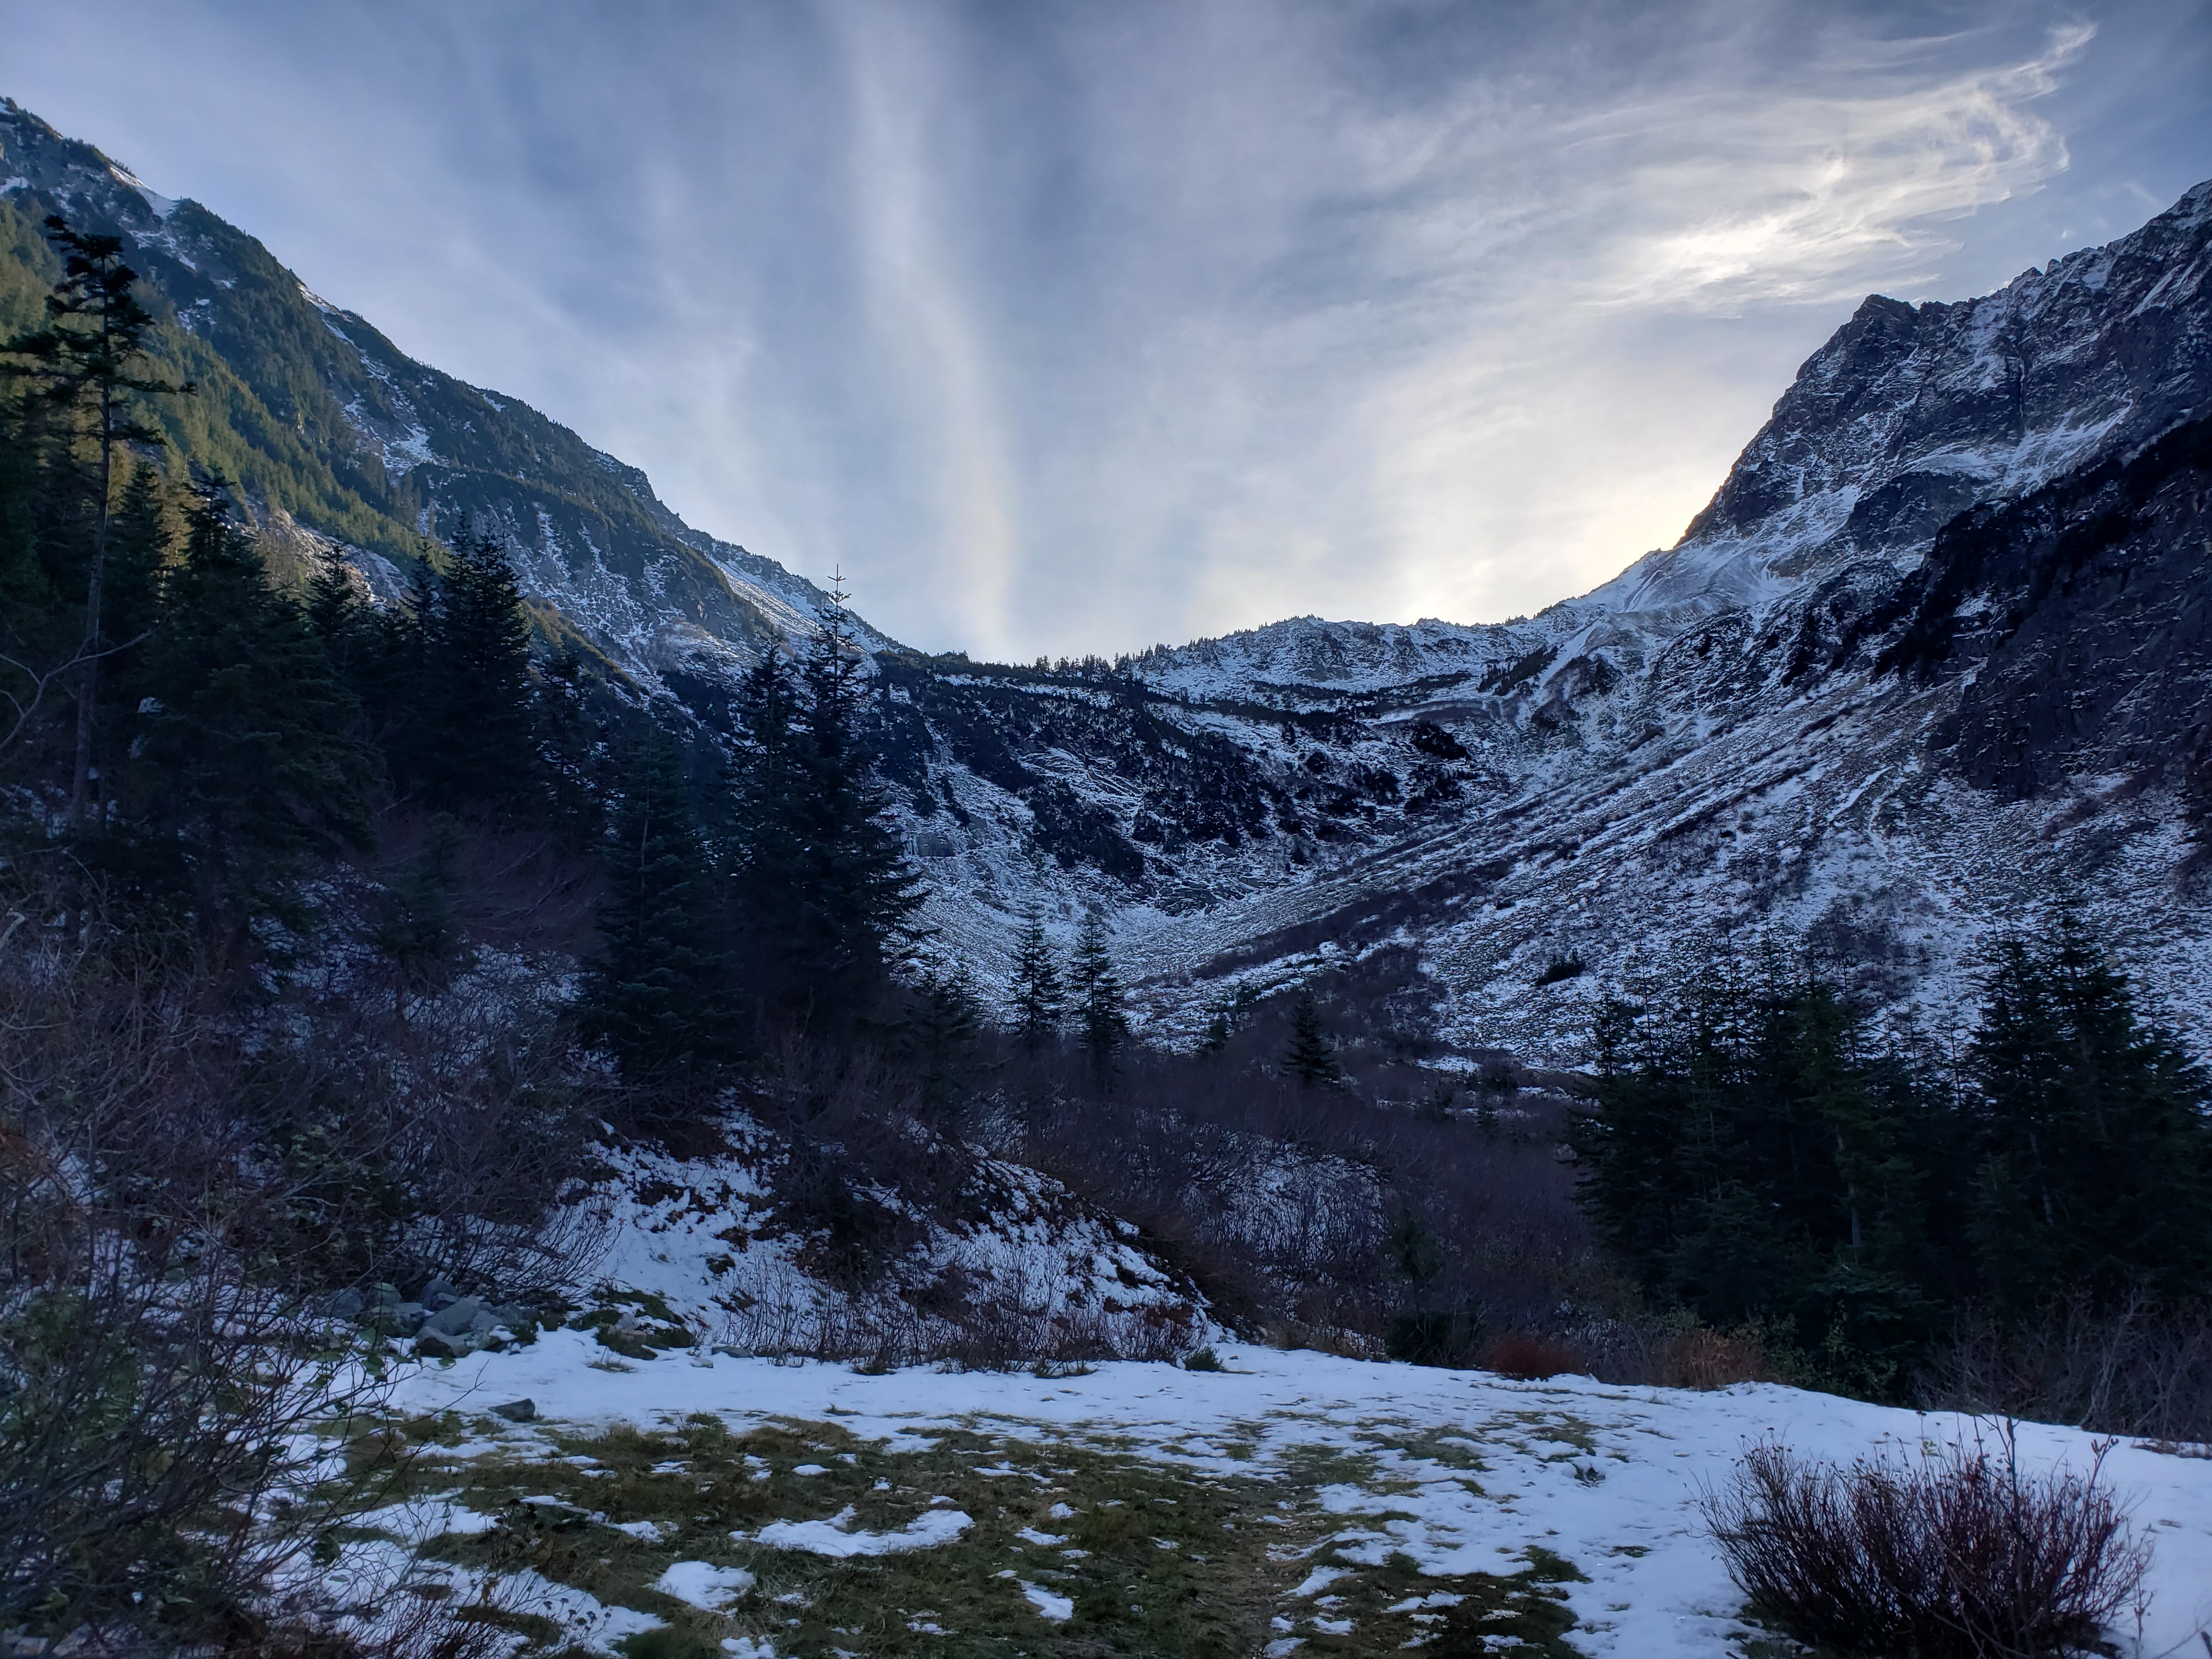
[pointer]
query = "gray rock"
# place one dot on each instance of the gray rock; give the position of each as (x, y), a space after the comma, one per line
(406, 1317)
(387, 1295)
(346, 1305)
(455, 1317)
(517, 1411)
(438, 1293)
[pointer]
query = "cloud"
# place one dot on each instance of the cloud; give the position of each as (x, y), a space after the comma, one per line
(1822, 193)
(1066, 328)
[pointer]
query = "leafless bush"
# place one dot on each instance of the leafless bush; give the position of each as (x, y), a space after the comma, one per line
(2141, 1368)
(1713, 1360)
(1956, 1555)
(1279, 1201)
(179, 1174)
(157, 1409)
(1520, 1354)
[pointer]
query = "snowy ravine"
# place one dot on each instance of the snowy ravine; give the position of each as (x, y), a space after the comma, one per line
(1367, 1473)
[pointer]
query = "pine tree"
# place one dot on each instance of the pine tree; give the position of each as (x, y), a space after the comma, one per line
(1311, 1057)
(940, 1035)
(1103, 1022)
(573, 746)
(487, 756)
(419, 933)
(458, 696)
(82, 360)
(655, 994)
(1038, 996)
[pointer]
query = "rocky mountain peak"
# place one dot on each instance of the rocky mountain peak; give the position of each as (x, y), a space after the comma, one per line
(1910, 414)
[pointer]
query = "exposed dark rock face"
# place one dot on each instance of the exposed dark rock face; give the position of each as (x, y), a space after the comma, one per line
(2079, 621)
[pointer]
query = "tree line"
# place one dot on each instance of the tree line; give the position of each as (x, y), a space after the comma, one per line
(1759, 1154)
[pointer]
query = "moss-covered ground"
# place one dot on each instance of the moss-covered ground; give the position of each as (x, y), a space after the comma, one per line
(1076, 1545)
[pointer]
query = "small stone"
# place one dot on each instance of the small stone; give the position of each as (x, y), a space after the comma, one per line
(458, 1316)
(517, 1411)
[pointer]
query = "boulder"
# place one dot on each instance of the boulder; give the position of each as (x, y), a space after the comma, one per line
(457, 1317)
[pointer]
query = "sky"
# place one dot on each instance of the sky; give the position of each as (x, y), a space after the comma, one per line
(1070, 327)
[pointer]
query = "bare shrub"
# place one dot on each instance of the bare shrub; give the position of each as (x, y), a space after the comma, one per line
(1519, 1354)
(157, 1416)
(1713, 1360)
(1956, 1554)
(2141, 1368)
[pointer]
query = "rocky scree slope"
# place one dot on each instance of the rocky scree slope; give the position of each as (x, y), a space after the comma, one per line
(1934, 655)
(1815, 713)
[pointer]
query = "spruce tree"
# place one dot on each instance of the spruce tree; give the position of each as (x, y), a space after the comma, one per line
(419, 933)
(573, 745)
(1103, 1022)
(486, 759)
(940, 1034)
(1311, 1057)
(822, 887)
(1038, 994)
(2093, 1142)
(452, 671)
(655, 994)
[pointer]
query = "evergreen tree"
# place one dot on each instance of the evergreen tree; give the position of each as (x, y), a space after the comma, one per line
(1754, 1159)
(2093, 1145)
(821, 887)
(573, 746)
(1311, 1057)
(82, 361)
(655, 994)
(419, 933)
(452, 669)
(486, 756)
(1101, 1022)
(1038, 996)
(245, 763)
(940, 1035)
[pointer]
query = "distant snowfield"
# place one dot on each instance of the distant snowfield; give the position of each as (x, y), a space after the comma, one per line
(1463, 1471)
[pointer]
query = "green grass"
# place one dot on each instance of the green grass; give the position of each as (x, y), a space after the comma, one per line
(1159, 1559)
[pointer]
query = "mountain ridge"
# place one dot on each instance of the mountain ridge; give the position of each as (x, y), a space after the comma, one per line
(1717, 740)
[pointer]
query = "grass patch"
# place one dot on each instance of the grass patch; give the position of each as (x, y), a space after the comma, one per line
(1149, 1558)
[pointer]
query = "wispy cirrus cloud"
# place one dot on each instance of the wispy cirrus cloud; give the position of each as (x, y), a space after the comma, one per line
(1065, 327)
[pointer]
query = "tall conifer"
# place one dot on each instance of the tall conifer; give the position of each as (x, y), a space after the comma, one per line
(82, 361)
(1103, 1022)
(655, 993)
(1039, 995)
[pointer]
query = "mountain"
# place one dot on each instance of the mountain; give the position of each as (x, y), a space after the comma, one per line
(1935, 656)
(340, 438)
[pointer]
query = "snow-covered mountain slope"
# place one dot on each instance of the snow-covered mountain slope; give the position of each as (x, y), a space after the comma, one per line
(1796, 719)
(1751, 730)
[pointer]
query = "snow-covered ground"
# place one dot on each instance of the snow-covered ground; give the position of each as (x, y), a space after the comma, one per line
(1462, 1472)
